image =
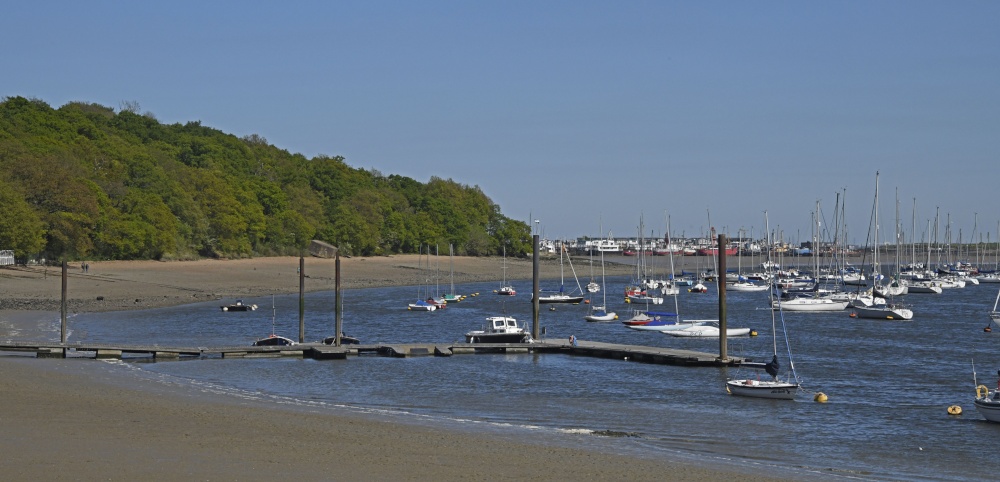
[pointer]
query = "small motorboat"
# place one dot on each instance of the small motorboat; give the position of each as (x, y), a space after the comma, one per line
(238, 306)
(499, 329)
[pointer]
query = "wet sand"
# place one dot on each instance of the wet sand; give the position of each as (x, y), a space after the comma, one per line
(72, 419)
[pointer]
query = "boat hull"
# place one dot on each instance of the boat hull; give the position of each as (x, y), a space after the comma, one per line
(807, 304)
(707, 331)
(989, 409)
(560, 299)
(601, 318)
(774, 390)
(497, 337)
(884, 313)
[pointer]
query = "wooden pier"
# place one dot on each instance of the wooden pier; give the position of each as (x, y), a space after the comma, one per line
(319, 351)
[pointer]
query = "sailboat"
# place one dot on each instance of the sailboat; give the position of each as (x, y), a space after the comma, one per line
(505, 289)
(775, 388)
(273, 339)
(601, 313)
(452, 297)
(421, 304)
(741, 283)
(561, 296)
(638, 290)
(886, 311)
(663, 321)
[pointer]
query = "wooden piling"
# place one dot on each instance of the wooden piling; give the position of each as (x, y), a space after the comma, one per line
(302, 299)
(534, 287)
(721, 282)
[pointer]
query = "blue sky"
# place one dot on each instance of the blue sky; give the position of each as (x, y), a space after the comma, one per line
(576, 113)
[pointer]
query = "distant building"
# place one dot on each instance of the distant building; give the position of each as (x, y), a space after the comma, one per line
(6, 257)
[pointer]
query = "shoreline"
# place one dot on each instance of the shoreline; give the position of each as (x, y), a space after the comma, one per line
(84, 419)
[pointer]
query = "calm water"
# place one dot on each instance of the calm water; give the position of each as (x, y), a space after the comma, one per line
(889, 383)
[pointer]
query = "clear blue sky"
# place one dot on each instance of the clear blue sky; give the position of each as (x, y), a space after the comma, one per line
(575, 113)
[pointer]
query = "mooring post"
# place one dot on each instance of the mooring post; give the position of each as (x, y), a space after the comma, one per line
(534, 287)
(302, 299)
(62, 309)
(721, 282)
(339, 315)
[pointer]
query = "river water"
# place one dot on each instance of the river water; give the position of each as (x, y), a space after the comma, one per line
(889, 382)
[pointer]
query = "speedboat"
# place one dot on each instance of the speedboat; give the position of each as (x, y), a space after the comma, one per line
(499, 329)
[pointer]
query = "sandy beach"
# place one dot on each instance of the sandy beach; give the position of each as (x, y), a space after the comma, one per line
(72, 419)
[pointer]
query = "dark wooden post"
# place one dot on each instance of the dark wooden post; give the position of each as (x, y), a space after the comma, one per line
(534, 287)
(721, 282)
(337, 302)
(62, 309)
(302, 299)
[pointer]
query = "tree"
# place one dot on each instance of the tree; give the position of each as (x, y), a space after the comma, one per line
(21, 229)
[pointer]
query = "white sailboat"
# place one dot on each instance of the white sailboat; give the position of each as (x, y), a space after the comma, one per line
(422, 304)
(776, 388)
(601, 313)
(505, 289)
(561, 296)
(887, 310)
(452, 297)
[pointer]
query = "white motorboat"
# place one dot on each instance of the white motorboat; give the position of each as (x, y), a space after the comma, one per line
(499, 329)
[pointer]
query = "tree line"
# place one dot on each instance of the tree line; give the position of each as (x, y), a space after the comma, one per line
(86, 182)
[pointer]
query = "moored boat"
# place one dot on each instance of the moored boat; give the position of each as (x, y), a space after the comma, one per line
(499, 329)
(238, 306)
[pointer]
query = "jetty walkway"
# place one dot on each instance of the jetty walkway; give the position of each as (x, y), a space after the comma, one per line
(319, 351)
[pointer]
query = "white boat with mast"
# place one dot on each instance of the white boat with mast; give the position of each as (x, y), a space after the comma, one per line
(776, 388)
(421, 304)
(505, 289)
(741, 283)
(561, 296)
(815, 301)
(452, 297)
(601, 313)
(987, 401)
(887, 310)
(273, 339)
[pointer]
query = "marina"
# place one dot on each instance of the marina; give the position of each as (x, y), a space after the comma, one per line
(415, 368)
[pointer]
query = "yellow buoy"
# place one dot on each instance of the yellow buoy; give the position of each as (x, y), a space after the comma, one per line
(954, 410)
(821, 397)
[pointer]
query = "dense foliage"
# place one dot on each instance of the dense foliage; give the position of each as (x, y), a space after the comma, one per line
(85, 182)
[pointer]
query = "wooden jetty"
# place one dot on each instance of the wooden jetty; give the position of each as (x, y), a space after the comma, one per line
(319, 351)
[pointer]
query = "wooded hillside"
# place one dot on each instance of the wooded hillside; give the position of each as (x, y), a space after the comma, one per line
(86, 182)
